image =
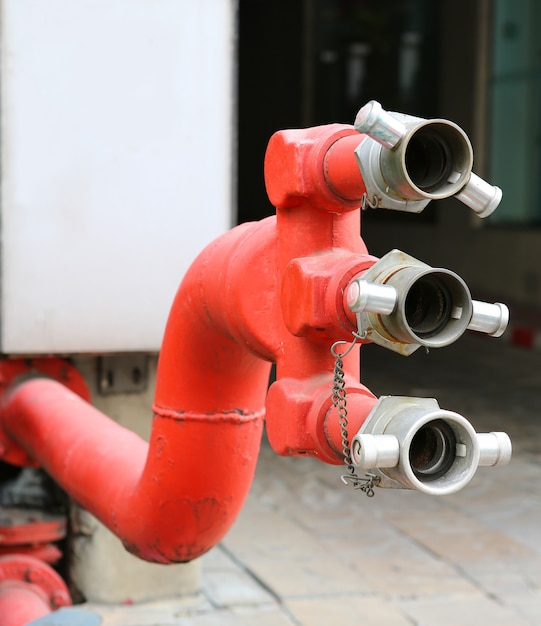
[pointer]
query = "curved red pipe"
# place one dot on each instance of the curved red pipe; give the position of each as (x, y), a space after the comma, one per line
(162, 498)
(174, 498)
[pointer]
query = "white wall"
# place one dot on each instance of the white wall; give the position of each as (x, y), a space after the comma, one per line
(116, 165)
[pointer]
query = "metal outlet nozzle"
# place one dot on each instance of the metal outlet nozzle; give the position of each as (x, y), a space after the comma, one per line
(402, 303)
(409, 161)
(412, 443)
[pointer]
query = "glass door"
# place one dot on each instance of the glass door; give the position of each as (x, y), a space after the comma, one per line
(515, 111)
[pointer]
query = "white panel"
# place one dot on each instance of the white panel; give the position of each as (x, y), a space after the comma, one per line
(116, 165)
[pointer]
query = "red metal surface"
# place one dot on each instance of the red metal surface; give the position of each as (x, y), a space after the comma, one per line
(47, 552)
(316, 187)
(21, 603)
(30, 526)
(264, 292)
(31, 532)
(13, 371)
(168, 503)
(29, 589)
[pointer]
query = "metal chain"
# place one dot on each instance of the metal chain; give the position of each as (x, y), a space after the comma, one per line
(339, 400)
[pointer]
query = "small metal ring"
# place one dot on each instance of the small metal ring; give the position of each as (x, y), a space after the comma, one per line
(366, 203)
(338, 355)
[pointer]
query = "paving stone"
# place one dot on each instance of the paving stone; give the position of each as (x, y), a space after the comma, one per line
(265, 534)
(347, 610)
(506, 579)
(416, 577)
(193, 613)
(461, 610)
(231, 588)
(457, 537)
(217, 559)
(150, 614)
(321, 577)
(527, 604)
(255, 617)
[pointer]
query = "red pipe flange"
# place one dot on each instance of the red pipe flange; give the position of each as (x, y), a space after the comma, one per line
(31, 532)
(29, 589)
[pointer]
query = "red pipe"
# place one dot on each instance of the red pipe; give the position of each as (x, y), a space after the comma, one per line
(21, 603)
(264, 292)
(48, 553)
(162, 498)
(29, 589)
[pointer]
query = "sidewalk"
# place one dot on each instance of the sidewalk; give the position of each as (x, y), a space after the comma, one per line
(309, 550)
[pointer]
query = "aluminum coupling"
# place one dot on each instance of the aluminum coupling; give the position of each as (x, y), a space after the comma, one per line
(411, 443)
(402, 303)
(408, 161)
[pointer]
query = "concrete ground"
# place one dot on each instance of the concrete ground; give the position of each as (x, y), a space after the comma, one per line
(309, 550)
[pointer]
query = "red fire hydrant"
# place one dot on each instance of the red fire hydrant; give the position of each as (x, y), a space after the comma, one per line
(280, 291)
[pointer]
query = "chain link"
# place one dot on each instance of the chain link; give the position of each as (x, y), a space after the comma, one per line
(339, 400)
(366, 203)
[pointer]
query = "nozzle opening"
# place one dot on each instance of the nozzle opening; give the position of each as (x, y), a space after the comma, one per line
(433, 161)
(438, 159)
(441, 452)
(428, 306)
(432, 450)
(429, 160)
(413, 443)
(434, 307)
